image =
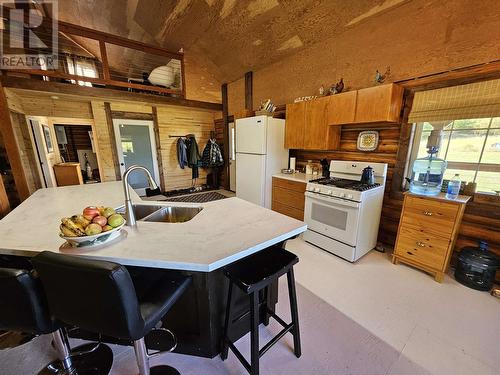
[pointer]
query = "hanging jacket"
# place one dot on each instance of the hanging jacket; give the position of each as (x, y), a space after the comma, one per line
(212, 155)
(182, 153)
(193, 156)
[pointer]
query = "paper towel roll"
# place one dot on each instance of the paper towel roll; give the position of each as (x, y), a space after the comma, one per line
(292, 163)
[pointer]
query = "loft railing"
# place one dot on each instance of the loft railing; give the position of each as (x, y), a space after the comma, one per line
(119, 62)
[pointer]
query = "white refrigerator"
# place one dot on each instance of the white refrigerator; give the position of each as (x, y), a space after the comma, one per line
(260, 153)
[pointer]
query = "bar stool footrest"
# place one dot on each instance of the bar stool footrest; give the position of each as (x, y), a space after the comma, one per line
(163, 370)
(87, 359)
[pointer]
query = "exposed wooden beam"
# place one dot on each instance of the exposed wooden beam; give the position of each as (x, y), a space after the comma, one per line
(156, 127)
(111, 132)
(12, 148)
(4, 200)
(102, 93)
(104, 60)
(132, 115)
(225, 118)
(462, 76)
(118, 40)
(249, 91)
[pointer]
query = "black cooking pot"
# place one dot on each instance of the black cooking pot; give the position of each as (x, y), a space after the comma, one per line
(368, 177)
(476, 267)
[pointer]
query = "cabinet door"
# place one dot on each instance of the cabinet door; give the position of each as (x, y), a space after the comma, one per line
(379, 104)
(342, 108)
(316, 131)
(295, 125)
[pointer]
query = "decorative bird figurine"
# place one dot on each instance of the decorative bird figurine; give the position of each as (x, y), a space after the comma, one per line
(337, 88)
(380, 78)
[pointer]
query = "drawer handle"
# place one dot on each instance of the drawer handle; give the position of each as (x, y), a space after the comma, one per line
(428, 213)
(409, 252)
(421, 244)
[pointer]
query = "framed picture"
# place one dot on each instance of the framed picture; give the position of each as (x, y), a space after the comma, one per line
(48, 139)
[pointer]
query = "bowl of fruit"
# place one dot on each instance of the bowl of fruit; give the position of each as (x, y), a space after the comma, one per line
(95, 225)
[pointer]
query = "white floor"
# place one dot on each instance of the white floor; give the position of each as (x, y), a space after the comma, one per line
(443, 328)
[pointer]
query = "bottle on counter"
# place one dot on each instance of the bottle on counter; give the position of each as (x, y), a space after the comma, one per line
(309, 167)
(427, 174)
(453, 187)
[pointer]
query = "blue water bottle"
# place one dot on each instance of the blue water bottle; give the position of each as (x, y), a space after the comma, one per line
(453, 187)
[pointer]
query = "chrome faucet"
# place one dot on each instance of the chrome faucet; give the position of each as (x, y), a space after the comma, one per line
(129, 208)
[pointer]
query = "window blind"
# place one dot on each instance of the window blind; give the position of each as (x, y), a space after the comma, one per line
(474, 100)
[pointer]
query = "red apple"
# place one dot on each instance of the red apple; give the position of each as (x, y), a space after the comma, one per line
(101, 220)
(90, 212)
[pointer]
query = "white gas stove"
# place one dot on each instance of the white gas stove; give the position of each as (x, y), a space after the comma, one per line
(343, 214)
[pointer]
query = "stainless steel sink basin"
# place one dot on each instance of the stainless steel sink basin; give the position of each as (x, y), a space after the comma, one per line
(141, 210)
(174, 214)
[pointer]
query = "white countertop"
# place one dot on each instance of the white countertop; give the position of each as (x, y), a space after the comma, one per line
(298, 177)
(223, 232)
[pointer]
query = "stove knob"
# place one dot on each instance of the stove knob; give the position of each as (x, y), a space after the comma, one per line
(317, 190)
(349, 196)
(329, 192)
(341, 195)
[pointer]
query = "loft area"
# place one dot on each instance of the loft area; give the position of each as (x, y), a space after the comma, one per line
(90, 58)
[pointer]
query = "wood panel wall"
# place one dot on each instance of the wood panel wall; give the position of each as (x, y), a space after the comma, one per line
(172, 120)
(480, 222)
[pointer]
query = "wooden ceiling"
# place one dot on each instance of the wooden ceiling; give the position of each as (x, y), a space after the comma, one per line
(235, 35)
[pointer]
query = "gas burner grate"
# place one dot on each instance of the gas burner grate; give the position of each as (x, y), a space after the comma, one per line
(344, 183)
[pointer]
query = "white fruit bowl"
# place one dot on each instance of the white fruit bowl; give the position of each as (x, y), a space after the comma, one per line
(94, 239)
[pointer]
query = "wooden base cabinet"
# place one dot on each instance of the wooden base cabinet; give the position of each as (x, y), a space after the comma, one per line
(288, 197)
(427, 232)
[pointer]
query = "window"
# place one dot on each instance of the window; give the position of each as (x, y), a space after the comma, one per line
(471, 147)
(81, 67)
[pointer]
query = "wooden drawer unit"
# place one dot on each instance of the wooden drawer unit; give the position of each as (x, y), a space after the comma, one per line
(288, 197)
(431, 216)
(427, 232)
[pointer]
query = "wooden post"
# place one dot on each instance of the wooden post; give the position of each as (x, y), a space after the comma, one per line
(111, 130)
(404, 146)
(4, 200)
(104, 59)
(183, 78)
(249, 91)
(11, 146)
(225, 118)
(156, 127)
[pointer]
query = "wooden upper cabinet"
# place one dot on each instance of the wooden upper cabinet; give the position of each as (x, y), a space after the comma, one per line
(342, 108)
(295, 125)
(379, 104)
(316, 124)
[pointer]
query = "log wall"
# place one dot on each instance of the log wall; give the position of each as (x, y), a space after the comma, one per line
(480, 222)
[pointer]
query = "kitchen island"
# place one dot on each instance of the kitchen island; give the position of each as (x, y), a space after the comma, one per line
(223, 232)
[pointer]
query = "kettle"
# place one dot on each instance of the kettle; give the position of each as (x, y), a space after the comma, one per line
(368, 177)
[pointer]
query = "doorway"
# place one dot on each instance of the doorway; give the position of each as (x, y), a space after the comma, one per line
(232, 157)
(135, 144)
(76, 145)
(41, 151)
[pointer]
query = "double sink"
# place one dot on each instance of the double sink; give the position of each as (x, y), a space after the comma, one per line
(162, 214)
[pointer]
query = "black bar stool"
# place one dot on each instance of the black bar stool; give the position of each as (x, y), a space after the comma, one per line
(252, 275)
(23, 308)
(100, 297)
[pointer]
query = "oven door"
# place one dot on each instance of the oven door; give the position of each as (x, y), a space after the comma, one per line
(332, 217)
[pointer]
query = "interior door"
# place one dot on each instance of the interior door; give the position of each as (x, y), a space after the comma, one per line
(39, 143)
(232, 157)
(136, 145)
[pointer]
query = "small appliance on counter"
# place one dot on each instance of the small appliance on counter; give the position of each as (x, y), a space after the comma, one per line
(476, 267)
